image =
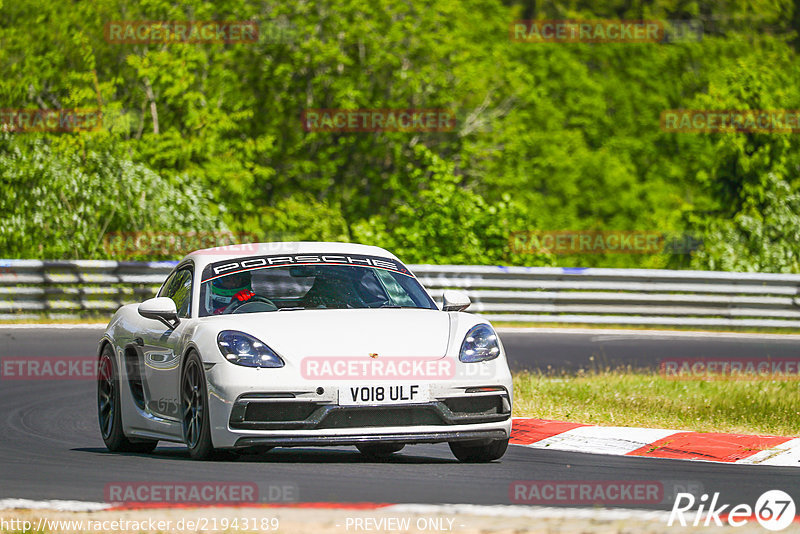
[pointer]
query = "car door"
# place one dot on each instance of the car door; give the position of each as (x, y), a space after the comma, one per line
(161, 348)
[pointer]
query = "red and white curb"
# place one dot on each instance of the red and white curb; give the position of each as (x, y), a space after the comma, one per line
(656, 443)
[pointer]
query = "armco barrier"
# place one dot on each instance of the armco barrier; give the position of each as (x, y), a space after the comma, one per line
(69, 289)
(29, 288)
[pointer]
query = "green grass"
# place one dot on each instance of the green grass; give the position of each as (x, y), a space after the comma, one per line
(649, 400)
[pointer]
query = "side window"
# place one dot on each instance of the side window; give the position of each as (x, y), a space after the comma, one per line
(165, 288)
(179, 289)
(396, 292)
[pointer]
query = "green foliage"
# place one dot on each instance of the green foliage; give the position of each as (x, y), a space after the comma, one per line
(60, 204)
(759, 237)
(200, 137)
(437, 218)
(300, 218)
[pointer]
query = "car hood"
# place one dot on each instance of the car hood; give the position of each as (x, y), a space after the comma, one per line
(347, 333)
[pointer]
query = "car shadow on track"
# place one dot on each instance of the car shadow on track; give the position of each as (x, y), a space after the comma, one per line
(282, 455)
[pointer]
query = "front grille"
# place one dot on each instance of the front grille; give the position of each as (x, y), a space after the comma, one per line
(382, 416)
(476, 405)
(279, 412)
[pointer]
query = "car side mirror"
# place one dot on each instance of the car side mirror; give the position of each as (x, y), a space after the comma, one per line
(455, 301)
(161, 309)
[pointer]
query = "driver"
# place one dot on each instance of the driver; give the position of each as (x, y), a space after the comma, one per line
(225, 289)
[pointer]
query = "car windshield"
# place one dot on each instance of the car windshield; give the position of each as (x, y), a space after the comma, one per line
(240, 288)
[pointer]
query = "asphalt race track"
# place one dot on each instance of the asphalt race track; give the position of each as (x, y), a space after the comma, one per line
(50, 447)
(552, 350)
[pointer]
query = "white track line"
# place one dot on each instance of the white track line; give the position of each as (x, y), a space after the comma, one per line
(60, 506)
(786, 454)
(643, 333)
(615, 440)
(500, 511)
(59, 326)
(532, 512)
(509, 329)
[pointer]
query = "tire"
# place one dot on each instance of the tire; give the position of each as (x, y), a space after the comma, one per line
(467, 452)
(194, 409)
(379, 450)
(109, 413)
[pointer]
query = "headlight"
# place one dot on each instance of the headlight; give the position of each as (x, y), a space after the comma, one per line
(243, 349)
(479, 345)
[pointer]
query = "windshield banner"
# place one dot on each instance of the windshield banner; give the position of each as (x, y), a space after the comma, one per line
(223, 268)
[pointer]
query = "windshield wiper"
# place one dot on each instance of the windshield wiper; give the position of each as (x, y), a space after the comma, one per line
(291, 309)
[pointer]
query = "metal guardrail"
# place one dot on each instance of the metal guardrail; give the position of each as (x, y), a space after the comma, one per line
(623, 296)
(68, 289)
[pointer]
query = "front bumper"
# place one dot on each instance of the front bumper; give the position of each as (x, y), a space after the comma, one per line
(275, 407)
(250, 413)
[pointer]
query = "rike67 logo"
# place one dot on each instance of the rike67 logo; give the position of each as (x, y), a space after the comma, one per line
(774, 510)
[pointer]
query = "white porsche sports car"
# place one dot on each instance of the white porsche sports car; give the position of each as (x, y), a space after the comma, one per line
(250, 347)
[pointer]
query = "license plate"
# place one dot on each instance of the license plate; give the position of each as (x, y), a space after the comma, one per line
(387, 394)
